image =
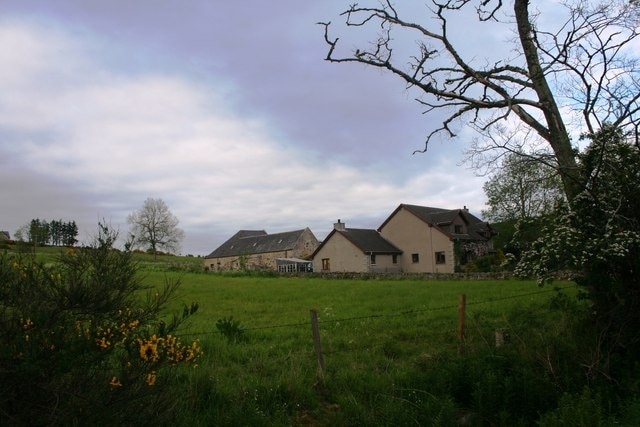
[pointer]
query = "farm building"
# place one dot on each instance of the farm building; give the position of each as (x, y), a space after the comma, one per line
(257, 250)
(356, 250)
(413, 239)
(436, 240)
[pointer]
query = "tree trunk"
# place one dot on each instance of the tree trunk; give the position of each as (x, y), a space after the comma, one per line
(557, 137)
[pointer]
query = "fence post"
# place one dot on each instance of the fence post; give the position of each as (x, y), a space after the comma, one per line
(462, 306)
(315, 329)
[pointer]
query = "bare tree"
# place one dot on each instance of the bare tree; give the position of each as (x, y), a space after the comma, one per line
(155, 227)
(585, 65)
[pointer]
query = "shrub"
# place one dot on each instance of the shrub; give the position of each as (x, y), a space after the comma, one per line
(80, 343)
(231, 329)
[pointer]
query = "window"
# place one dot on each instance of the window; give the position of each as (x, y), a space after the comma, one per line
(325, 264)
(394, 258)
(440, 258)
(415, 258)
(373, 259)
(457, 229)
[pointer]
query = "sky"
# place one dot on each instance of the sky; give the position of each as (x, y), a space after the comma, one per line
(225, 110)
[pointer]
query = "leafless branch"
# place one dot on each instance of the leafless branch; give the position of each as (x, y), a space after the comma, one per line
(585, 65)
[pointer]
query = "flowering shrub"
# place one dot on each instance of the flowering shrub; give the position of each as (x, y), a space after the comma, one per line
(598, 236)
(79, 343)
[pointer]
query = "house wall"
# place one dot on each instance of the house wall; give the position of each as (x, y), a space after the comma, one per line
(305, 246)
(414, 236)
(343, 256)
(263, 261)
(384, 264)
(459, 222)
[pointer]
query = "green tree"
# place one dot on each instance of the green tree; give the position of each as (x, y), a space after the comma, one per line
(521, 188)
(69, 233)
(38, 232)
(155, 227)
(55, 232)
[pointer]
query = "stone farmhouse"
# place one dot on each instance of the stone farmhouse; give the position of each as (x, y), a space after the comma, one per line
(413, 239)
(257, 250)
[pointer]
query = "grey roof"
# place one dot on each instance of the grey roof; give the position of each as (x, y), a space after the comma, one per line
(247, 242)
(476, 228)
(368, 241)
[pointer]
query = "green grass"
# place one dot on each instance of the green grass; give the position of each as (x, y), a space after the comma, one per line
(391, 351)
(378, 336)
(263, 302)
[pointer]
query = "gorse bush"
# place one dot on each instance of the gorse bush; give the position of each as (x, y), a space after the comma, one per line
(81, 342)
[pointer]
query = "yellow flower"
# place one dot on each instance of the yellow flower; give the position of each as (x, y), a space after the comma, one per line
(103, 343)
(149, 349)
(27, 324)
(151, 378)
(115, 382)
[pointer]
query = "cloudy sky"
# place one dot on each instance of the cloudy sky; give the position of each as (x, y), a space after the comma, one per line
(226, 110)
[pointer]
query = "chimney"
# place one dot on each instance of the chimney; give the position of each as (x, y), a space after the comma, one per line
(340, 226)
(465, 209)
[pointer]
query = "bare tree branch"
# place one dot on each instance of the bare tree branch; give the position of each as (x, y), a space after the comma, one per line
(585, 65)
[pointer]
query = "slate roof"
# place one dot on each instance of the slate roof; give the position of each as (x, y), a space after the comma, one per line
(368, 241)
(248, 242)
(476, 228)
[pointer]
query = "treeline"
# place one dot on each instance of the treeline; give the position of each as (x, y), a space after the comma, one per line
(43, 232)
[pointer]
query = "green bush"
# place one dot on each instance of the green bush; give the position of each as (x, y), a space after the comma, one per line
(231, 329)
(79, 341)
(487, 263)
(580, 410)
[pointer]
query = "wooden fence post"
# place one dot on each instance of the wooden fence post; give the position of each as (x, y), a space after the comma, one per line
(462, 306)
(315, 329)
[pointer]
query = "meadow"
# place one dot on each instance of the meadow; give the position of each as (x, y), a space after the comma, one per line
(391, 350)
(387, 348)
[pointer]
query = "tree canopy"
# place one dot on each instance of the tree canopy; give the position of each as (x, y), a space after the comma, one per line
(155, 227)
(521, 188)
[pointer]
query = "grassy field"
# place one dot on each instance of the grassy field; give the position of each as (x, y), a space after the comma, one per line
(379, 337)
(391, 350)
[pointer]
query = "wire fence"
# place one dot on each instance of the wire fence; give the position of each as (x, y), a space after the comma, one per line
(330, 345)
(385, 315)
